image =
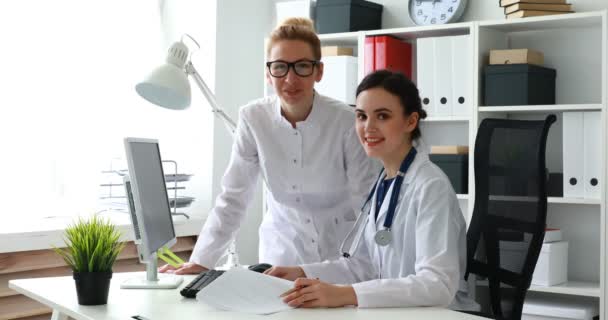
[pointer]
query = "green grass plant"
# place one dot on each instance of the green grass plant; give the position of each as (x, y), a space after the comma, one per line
(92, 245)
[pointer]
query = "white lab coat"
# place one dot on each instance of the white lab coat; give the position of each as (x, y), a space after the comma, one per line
(424, 264)
(317, 174)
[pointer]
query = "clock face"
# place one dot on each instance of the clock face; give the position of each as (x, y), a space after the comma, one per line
(429, 12)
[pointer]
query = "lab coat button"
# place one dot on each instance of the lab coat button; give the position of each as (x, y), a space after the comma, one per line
(294, 187)
(295, 161)
(297, 199)
(308, 221)
(313, 240)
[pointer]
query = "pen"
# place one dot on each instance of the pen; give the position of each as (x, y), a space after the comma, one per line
(138, 317)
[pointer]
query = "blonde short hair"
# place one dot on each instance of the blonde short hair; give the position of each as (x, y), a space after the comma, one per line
(296, 29)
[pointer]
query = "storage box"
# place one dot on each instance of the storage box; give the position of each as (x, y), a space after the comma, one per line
(333, 16)
(456, 167)
(552, 265)
(555, 184)
(516, 56)
(299, 8)
(339, 78)
(518, 84)
(328, 51)
(449, 149)
(559, 308)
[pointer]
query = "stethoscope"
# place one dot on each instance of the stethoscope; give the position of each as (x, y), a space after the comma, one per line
(382, 237)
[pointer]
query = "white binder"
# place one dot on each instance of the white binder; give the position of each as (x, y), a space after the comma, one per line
(461, 75)
(339, 78)
(573, 151)
(591, 171)
(443, 76)
(425, 56)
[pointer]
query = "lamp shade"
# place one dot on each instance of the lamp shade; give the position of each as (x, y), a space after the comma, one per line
(166, 86)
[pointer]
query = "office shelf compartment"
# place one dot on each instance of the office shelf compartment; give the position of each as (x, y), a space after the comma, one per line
(448, 119)
(560, 200)
(571, 44)
(434, 133)
(452, 29)
(543, 108)
(350, 39)
(577, 288)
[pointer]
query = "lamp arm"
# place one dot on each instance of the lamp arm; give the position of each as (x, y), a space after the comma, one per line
(228, 122)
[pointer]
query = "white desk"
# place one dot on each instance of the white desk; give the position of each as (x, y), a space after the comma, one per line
(59, 293)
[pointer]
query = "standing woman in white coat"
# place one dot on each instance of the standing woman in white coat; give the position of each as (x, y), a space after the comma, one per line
(305, 147)
(408, 247)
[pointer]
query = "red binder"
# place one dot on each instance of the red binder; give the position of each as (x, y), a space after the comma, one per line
(393, 54)
(369, 57)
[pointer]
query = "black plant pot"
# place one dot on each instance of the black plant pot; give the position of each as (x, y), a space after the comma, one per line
(92, 288)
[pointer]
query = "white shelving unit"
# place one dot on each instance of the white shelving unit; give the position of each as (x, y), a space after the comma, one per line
(576, 46)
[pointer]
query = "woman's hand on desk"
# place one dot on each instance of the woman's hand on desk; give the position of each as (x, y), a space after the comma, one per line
(312, 293)
(186, 268)
(288, 273)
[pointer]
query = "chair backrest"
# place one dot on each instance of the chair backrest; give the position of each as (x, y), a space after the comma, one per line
(507, 228)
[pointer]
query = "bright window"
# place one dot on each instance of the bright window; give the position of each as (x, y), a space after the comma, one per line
(67, 72)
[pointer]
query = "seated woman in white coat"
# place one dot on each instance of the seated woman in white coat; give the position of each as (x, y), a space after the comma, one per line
(408, 245)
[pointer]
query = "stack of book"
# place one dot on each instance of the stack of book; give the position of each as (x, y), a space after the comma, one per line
(532, 8)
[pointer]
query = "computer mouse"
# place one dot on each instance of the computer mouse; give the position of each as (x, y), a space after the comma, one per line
(260, 267)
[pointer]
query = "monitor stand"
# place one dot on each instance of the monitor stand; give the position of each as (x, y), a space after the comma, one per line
(151, 279)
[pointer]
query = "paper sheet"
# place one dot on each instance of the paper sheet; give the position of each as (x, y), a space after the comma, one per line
(246, 291)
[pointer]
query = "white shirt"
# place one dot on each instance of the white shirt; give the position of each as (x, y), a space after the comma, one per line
(425, 262)
(317, 175)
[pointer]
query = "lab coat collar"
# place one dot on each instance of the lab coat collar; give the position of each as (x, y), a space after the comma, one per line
(313, 119)
(421, 157)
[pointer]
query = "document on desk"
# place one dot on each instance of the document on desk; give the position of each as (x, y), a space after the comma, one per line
(246, 291)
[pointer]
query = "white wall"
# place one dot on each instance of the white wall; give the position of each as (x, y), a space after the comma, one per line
(196, 18)
(241, 28)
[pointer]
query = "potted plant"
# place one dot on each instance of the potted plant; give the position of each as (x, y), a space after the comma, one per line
(92, 247)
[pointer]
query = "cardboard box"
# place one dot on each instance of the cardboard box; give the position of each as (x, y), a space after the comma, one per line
(552, 265)
(329, 51)
(449, 149)
(516, 56)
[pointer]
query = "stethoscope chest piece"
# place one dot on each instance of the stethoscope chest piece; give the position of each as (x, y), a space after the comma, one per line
(383, 237)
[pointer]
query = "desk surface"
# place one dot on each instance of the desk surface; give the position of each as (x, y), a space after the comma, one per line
(59, 293)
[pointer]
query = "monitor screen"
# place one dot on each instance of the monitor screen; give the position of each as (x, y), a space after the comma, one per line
(149, 193)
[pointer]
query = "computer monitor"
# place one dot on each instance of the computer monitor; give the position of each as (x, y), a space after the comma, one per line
(149, 210)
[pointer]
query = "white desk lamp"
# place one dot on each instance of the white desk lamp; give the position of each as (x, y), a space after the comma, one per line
(167, 86)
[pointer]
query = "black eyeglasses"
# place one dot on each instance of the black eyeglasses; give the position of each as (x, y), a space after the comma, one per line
(302, 68)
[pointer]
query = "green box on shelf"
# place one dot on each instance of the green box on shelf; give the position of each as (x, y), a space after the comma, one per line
(518, 85)
(335, 16)
(456, 167)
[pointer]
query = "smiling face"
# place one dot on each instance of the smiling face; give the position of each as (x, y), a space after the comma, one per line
(293, 90)
(383, 128)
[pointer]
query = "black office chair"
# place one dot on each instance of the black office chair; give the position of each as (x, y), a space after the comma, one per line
(506, 232)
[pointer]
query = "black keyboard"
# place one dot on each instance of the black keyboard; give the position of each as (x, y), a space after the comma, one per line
(201, 281)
